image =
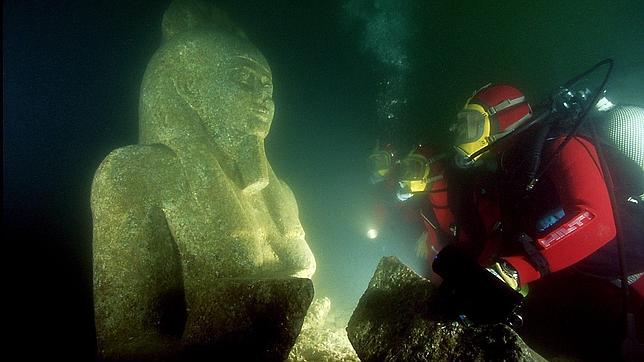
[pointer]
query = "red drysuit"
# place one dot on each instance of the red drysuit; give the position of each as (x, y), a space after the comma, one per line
(574, 181)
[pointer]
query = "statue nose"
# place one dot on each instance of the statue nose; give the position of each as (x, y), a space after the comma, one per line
(266, 87)
(266, 95)
(267, 91)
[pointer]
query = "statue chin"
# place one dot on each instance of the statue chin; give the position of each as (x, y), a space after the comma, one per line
(252, 165)
(259, 126)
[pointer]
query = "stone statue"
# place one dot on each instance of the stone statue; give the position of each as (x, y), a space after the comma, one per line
(192, 229)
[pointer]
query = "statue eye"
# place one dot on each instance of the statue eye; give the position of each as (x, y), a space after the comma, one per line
(250, 80)
(246, 78)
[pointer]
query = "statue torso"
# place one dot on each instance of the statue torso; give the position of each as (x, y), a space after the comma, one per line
(222, 232)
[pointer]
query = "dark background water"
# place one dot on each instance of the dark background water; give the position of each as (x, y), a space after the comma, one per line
(71, 78)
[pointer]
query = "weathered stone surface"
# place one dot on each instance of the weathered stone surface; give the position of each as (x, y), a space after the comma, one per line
(195, 205)
(262, 322)
(323, 336)
(392, 322)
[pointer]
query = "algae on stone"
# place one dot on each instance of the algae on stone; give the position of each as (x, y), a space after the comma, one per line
(196, 202)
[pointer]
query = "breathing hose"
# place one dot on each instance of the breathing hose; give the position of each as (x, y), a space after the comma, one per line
(582, 116)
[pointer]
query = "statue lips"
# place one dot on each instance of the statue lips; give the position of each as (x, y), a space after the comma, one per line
(261, 119)
(263, 112)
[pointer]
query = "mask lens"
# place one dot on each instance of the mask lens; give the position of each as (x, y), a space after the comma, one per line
(469, 126)
(414, 173)
(380, 163)
(414, 169)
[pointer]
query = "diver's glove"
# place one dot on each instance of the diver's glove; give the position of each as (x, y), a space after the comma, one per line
(506, 273)
(473, 291)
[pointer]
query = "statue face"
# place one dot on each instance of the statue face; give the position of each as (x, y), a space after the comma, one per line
(255, 91)
(240, 97)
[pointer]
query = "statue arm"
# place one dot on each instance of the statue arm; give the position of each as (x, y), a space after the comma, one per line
(138, 293)
(293, 251)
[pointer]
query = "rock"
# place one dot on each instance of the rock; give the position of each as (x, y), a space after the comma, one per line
(323, 337)
(392, 322)
(191, 226)
(256, 319)
(317, 314)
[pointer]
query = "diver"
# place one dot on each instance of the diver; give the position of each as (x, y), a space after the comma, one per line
(401, 186)
(528, 199)
(421, 178)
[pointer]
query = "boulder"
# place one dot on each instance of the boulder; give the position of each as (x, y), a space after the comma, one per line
(393, 322)
(248, 319)
(323, 336)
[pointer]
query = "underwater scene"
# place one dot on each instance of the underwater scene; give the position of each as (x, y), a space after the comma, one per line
(341, 180)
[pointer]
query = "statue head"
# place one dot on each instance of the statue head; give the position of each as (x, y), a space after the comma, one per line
(206, 83)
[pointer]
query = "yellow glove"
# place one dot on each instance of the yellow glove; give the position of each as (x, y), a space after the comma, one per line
(508, 275)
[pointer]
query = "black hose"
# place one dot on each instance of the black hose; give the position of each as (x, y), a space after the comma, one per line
(535, 152)
(582, 116)
(579, 77)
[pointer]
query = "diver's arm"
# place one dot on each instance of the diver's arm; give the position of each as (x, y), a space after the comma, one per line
(438, 227)
(588, 222)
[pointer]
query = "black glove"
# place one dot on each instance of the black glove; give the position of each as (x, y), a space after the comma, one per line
(472, 291)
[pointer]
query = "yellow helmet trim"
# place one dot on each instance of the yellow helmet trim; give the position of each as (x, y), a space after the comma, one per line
(470, 148)
(418, 185)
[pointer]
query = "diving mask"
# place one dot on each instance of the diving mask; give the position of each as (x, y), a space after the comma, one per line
(416, 174)
(472, 133)
(381, 163)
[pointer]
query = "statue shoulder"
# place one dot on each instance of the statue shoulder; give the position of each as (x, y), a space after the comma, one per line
(280, 187)
(135, 172)
(286, 189)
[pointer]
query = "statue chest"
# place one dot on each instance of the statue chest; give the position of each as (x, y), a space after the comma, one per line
(229, 234)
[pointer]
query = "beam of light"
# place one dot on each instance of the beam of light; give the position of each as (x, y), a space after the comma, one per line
(372, 233)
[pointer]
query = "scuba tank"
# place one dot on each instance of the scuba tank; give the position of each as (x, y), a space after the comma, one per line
(620, 130)
(623, 128)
